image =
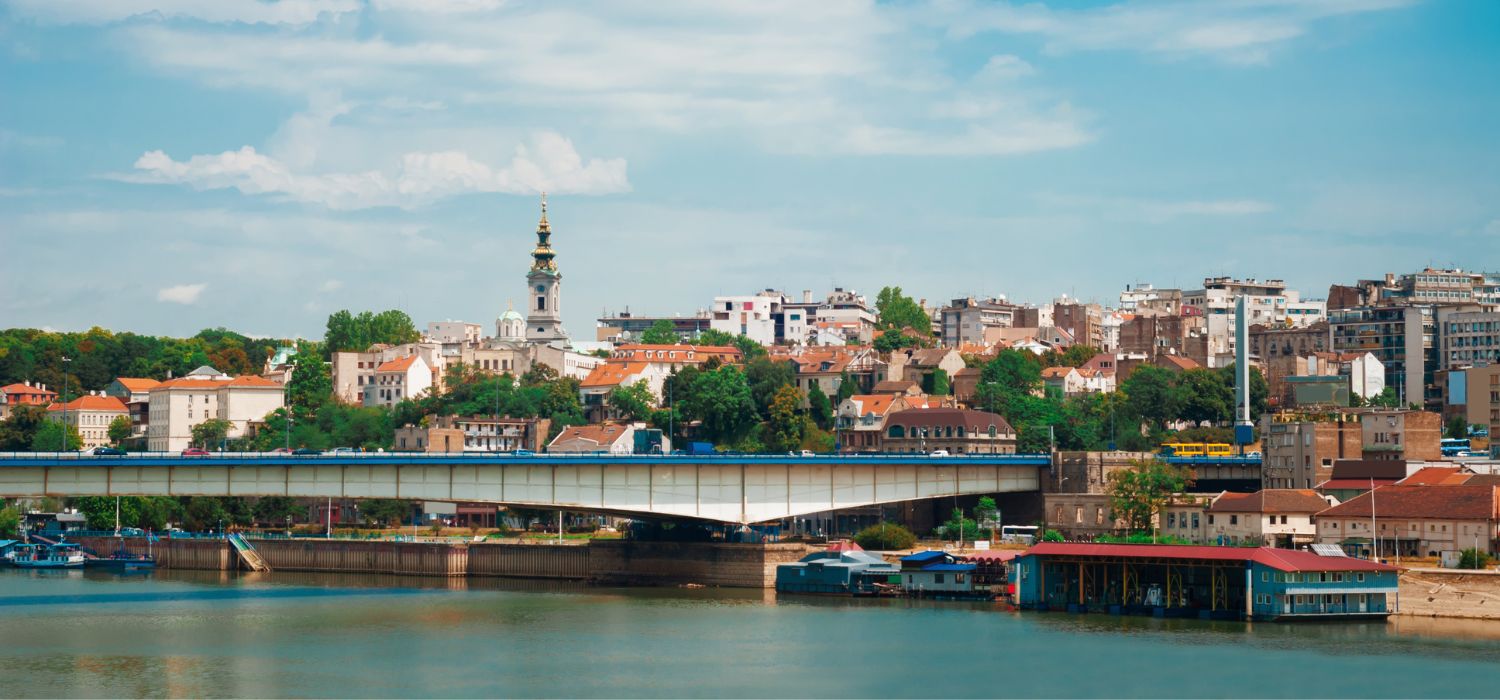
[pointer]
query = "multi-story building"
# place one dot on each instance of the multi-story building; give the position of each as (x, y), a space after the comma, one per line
(1401, 337)
(1145, 299)
(1084, 322)
(1467, 337)
(454, 332)
(967, 320)
(1267, 303)
(177, 405)
(1299, 449)
(1415, 520)
(626, 327)
(401, 379)
(351, 372)
(757, 317)
(135, 393)
(1481, 401)
(1401, 435)
(613, 438)
(91, 415)
(861, 420)
(474, 434)
(1269, 518)
(956, 430)
(24, 394)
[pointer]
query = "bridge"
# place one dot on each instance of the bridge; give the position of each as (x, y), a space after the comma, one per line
(738, 489)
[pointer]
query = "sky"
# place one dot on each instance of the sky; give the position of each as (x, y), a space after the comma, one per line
(173, 165)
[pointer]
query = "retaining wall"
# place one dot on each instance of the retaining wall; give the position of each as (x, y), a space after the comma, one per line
(1450, 593)
(605, 561)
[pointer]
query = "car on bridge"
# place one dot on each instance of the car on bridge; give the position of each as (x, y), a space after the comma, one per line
(306, 451)
(195, 452)
(107, 451)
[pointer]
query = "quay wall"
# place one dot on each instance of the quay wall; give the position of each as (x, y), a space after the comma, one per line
(557, 561)
(1450, 593)
(203, 555)
(673, 563)
(617, 562)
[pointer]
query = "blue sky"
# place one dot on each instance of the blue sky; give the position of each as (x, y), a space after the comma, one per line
(170, 165)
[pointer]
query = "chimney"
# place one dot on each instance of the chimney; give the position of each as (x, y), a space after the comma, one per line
(28, 382)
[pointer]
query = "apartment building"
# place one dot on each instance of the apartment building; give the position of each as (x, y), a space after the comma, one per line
(1299, 449)
(177, 405)
(967, 320)
(91, 415)
(1403, 338)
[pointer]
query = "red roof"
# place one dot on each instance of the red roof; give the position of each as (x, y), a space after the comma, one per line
(1279, 559)
(994, 555)
(137, 383)
(400, 364)
(20, 388)
(91, 403)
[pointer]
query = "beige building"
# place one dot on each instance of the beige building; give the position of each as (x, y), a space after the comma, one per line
(1271, 518)
(91, 415)
(177, 405)
(1415, 520)
(399, 380)
(351, 372)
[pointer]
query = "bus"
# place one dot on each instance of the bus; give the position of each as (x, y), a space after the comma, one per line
(1197, 449)
(1019, 534)
(1455, 447)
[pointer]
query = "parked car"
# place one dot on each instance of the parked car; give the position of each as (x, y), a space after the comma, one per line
(195, 452)
(132, 532)
(103, 450)
(344, 451)
(523, 453)
(282, 451)
(306, 451)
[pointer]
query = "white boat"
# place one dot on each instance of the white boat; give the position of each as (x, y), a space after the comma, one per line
(57, 556)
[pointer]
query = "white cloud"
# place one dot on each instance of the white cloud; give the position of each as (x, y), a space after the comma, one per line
(1152, 210)
(548, 163)
(1242, 32)
(290, 12)
(331, 286)
(181, 294)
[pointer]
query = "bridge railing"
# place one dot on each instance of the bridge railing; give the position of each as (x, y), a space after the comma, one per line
(549, 456)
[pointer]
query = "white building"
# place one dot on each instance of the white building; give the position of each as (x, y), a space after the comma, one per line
(454, 332)
(177, 405)
(544, 288)
(398, 380)
(91, 415)
(755, 317)
(1268, 303)
(351, 372)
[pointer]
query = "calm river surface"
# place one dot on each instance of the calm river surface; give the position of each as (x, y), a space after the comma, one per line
(75, 634)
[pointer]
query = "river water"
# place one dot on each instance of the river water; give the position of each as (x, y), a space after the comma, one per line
(200, 634)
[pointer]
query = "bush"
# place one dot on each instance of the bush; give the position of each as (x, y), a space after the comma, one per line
(1473, 559)
(1051, 536)
(885, 536)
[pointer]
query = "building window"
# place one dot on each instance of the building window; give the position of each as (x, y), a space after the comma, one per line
(541, 303)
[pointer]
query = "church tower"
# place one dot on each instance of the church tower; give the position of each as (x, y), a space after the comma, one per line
(544, 282)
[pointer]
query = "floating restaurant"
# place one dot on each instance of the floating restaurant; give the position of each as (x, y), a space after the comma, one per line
(1239, 583)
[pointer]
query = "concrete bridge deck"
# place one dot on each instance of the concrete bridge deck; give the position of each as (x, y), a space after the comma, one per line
(722, 488)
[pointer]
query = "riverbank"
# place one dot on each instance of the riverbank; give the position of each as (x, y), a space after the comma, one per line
(1448, 593)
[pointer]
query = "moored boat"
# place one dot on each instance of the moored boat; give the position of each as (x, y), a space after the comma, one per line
(62, 555)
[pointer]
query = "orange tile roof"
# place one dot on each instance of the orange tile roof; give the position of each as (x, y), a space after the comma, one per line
(1436, 476)
(1056, 372)
(612, 373)
(190, 383)
(91, 403)
(1181, 362)
(400, 364)
(20, 388)
(876, 404)
(137, 383)
(601, 433)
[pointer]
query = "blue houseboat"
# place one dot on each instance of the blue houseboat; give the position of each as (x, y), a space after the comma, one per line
(847, 571)
(940, 575)
(1200, 581)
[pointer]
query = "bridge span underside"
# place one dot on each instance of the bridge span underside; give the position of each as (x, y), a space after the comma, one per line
(716, 490)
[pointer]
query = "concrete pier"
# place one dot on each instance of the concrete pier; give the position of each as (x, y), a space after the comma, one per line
(617, 562)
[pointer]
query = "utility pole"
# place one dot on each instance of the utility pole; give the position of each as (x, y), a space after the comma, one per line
(64, 436)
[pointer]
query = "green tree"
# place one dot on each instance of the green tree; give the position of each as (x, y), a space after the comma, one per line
(721, 400)
(1137, 494)
(783, 429)
(819, 408)
(766, 377)
(885, 536)
(986, 510)
(936, 382)
(959, 528)
(18, 432)
(848, 386)
(276, 510)
(896, 311)
(1202, 395)
(1472, 558)
(10, 520)
(1016, 371)
(211, 433)
(1387, 398)
(1457, 428)
(310, 386)
(662, 332)
(1152, 394)
(347, 332)
(631, 401)
(204, 513)
(120, 429)
(49, 438)
(385, 512)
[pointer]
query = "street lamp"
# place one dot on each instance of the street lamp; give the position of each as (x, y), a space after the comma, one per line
(286, 405)
(63, 438)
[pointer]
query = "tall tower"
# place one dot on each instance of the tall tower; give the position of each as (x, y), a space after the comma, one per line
(544, 282)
